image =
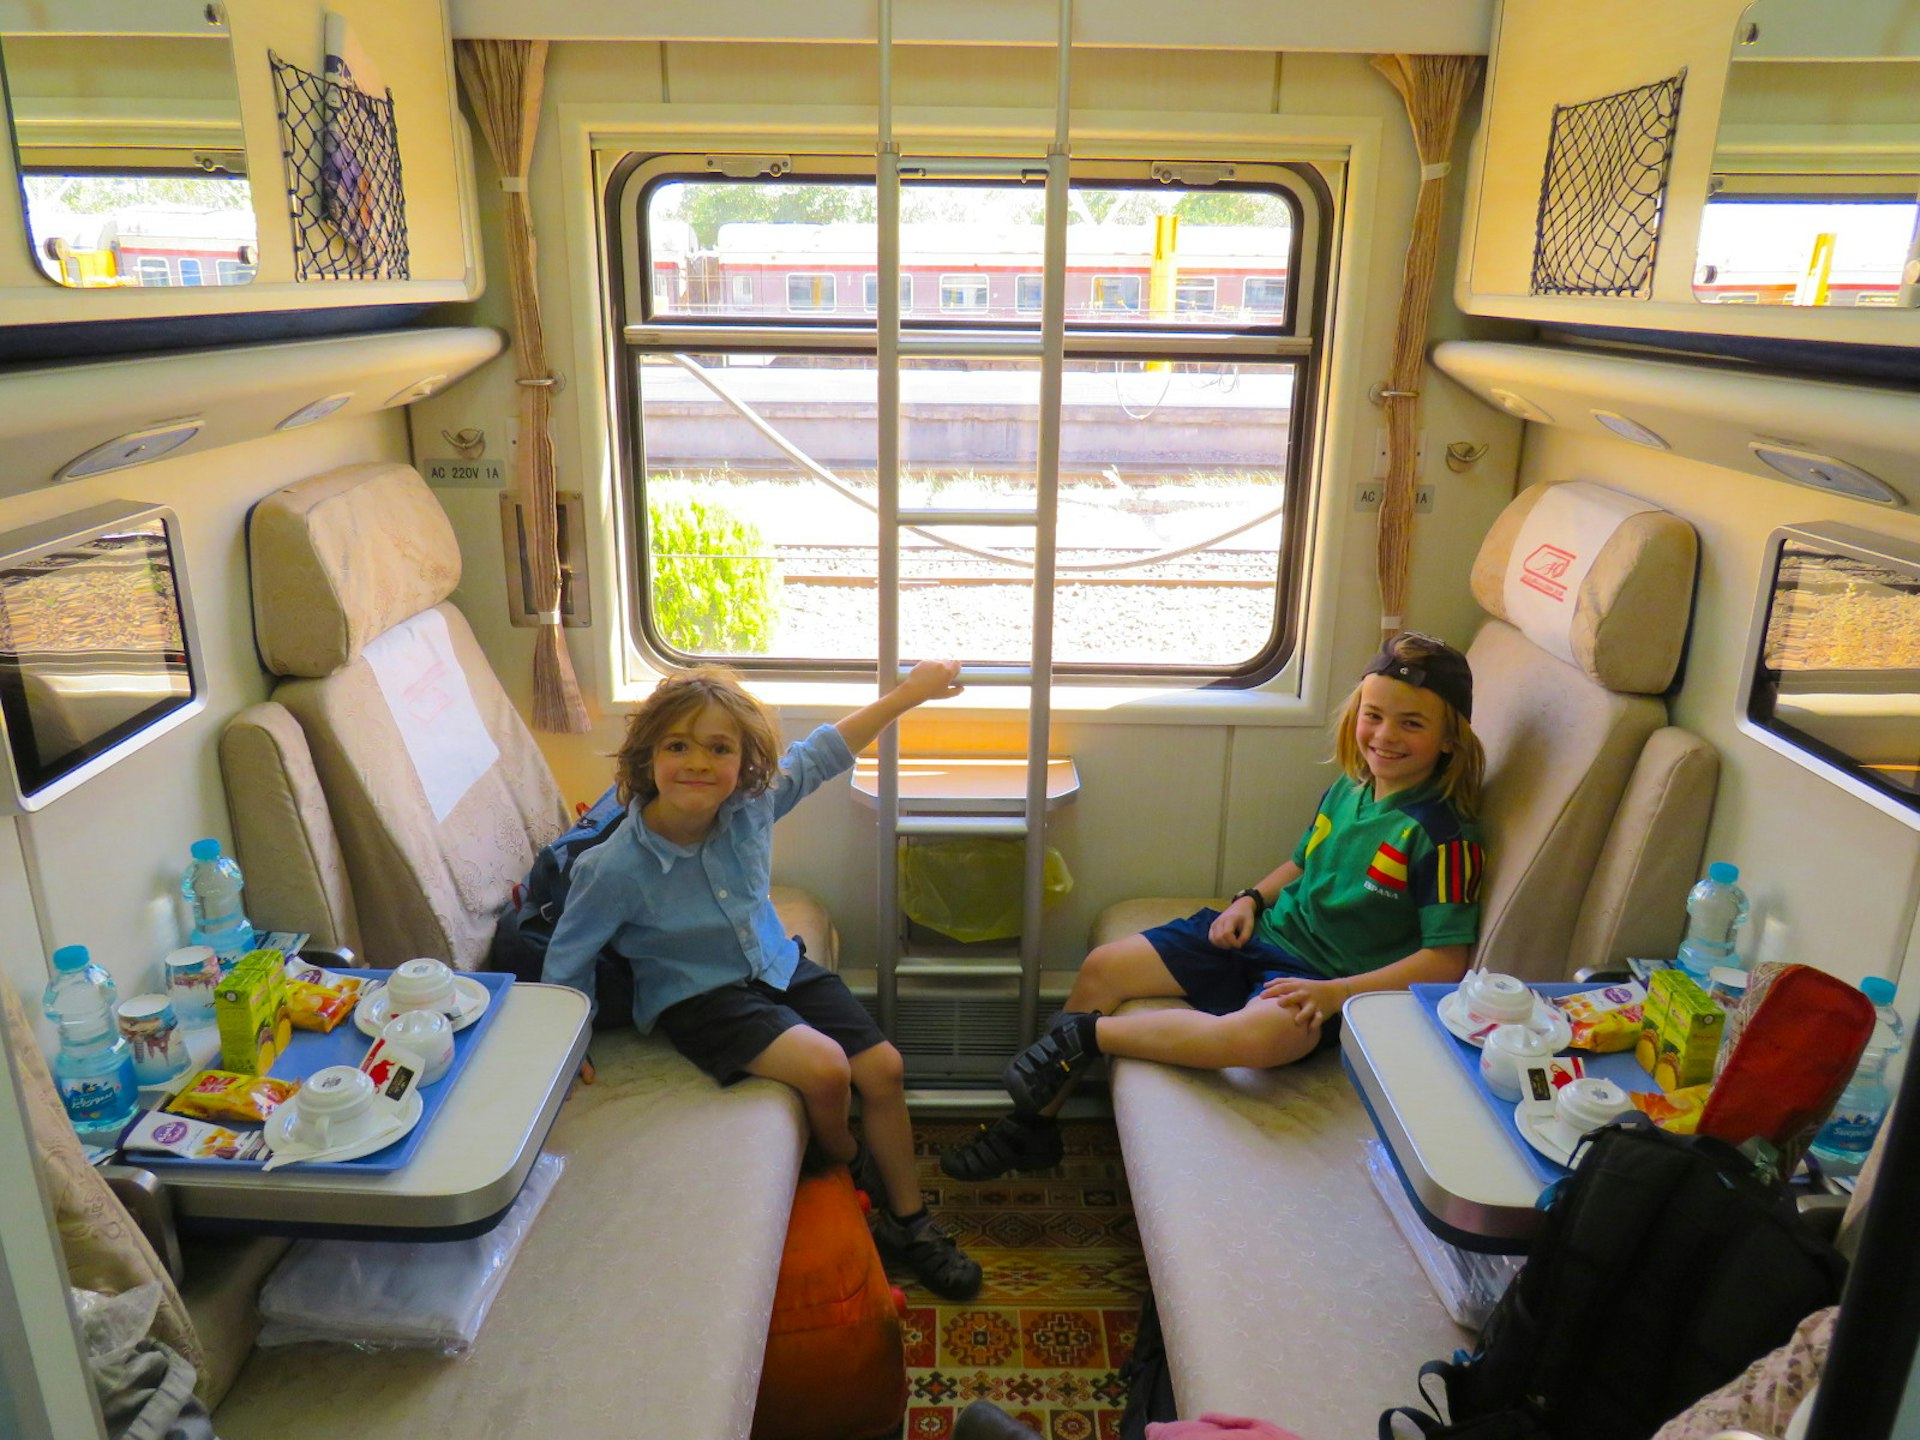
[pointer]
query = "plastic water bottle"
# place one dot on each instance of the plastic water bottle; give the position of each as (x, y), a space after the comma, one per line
(94, 1066)
(1716, 908)
(1843, 1142)
(211, 886)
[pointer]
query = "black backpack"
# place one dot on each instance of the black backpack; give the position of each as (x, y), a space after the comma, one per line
(1663, 1270)
(520, 936)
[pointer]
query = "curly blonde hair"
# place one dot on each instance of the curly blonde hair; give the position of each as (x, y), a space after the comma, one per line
(1463, 762)
(680, 697)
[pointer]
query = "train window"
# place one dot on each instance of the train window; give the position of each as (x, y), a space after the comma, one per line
(1264, 295)
(963, 292)
(189, 271)
(870, 292)
(1792, 248)
(1195, 296)
(1194, 331)
(152, 270)
(810, 292)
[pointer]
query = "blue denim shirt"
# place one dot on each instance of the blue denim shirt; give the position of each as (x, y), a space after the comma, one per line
(690, 918)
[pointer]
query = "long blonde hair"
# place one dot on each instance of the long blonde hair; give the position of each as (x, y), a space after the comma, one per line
(675, 699)
(1463, 762)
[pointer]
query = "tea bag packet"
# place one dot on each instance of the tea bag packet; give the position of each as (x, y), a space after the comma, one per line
(394, 1069)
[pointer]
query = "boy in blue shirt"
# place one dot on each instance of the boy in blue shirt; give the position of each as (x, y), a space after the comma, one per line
(681, 891)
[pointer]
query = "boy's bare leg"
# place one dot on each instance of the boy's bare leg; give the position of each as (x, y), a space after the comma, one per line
(1111, 975)
(881, 1077)
(816, 1066)
(1262, 1034)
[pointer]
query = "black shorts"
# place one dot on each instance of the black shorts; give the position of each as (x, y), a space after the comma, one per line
(1221, 981)
(723, 1030)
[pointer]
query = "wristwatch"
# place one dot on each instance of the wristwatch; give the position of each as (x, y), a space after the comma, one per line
(1252, 892)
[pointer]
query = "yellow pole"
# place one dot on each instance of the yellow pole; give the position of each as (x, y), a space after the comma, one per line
(1163, 273)
(1812, 289)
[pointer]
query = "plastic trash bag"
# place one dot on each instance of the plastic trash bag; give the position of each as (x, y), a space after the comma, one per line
(970, 888)
(1467, 1283)
(399, 1294)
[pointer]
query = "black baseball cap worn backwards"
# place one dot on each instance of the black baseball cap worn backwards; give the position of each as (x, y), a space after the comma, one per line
(1444, 670)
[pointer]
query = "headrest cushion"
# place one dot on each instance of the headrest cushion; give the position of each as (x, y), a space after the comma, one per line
(1595, 576)
(340, 559)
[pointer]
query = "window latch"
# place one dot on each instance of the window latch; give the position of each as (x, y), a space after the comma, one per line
(1174, 172)
(746, 167)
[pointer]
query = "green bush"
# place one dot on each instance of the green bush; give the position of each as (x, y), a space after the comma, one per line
(715, 589)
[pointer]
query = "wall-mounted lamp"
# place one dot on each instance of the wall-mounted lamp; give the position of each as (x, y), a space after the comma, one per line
(1627, 428)
(419, 390)
(136, 447)
(314, 410)
(1823, 472)
(1519, 405)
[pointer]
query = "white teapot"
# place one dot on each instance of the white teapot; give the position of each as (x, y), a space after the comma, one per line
(1505, 1054)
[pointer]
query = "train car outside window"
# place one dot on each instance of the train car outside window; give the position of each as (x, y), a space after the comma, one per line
(152, 270)
(810, 292)
(1116, 292)
(963, 292)
(1195, 327)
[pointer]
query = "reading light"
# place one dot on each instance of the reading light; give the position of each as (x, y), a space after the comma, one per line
(1519, 405)
(1823, 472)
(419, 390)
(1628, 428)
(134, 448)
(315, 410)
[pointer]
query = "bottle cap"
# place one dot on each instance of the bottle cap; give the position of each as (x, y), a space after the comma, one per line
(206, 849)
(71, 957)
(1878, 989)
(1721, 871)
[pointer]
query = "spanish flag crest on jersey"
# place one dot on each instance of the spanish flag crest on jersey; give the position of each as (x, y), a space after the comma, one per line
(1388, 869)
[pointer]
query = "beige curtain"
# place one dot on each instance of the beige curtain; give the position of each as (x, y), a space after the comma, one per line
(503, 80)
(1435, 88)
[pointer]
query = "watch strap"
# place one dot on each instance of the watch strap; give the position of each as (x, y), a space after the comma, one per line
(1252, 892)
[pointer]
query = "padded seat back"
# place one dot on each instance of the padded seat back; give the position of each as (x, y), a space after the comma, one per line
(389, 796)
(1590, 592)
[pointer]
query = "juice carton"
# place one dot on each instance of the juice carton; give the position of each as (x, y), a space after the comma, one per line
(1680, 1032)
(250, 1009)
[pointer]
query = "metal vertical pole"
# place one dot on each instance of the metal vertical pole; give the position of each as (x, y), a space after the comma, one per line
(887, 458)
(1053, 326)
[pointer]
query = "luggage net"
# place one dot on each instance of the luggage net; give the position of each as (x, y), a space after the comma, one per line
(343, 178)
(1601, 195)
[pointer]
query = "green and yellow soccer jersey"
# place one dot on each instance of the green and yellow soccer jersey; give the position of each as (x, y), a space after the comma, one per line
(1379, 880)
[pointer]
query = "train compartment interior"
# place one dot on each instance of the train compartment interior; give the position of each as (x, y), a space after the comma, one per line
(822, 296)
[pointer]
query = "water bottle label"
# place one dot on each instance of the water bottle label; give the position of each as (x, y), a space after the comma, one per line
(1850, 1132)
(93, 1100)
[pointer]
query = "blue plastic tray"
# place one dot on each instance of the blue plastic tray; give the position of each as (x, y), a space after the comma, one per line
(1619, 1067)
(347, 1044)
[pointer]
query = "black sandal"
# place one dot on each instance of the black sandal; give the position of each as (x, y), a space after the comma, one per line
(1006, 1144)
(1040, 1072)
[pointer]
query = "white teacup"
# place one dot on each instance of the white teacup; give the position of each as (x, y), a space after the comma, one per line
(1588, 1103)
(334, 1107)
(1505, 1052)
(428, 1034)
(421, 985)
(1492, 999)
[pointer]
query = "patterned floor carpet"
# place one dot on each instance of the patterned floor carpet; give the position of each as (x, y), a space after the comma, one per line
(1054, 1320)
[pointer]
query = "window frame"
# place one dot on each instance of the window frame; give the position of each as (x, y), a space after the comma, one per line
(1286, 296)
(1299, 336)
(870, 292)
(1098, 283)
(965, 280)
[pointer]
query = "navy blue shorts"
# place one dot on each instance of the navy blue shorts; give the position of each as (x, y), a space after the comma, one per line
(723, 1030)
(1221, 981)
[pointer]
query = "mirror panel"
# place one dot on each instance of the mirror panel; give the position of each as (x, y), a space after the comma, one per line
(1816, 163)
(129, 144)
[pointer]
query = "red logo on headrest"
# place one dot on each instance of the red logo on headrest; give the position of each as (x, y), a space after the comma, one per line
(1544, 570)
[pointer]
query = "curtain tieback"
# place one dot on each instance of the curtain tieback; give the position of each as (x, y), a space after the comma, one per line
(539, 382)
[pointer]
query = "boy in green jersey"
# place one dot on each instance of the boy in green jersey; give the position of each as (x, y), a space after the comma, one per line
(1383, 890)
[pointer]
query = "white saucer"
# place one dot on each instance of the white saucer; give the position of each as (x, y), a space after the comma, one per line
(410, 1109)
(1548, 1134)
(372, 1012)
(1547, 1018)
